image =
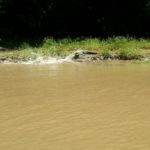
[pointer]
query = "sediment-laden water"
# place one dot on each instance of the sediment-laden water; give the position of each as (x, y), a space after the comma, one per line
(75, 106)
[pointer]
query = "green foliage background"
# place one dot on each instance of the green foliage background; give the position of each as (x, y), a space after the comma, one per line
(73, 18)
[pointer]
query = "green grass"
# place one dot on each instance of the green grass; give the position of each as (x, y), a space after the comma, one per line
(115, 48)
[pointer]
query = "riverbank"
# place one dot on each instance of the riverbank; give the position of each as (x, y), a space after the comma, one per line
(118, 48)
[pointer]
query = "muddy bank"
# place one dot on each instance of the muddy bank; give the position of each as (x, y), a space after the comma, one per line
(77, 56)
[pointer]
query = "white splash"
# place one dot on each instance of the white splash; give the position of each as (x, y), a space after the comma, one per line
(52, 60)
(48, 60)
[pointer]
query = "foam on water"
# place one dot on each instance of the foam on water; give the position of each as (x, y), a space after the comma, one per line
(50, 60)
(41, 60)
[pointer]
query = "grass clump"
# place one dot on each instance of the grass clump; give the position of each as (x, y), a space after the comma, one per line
(125, 48)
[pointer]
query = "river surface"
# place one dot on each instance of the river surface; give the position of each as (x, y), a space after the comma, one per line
(75, 106)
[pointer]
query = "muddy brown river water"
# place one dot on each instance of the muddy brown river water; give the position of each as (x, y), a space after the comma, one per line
(75, 106)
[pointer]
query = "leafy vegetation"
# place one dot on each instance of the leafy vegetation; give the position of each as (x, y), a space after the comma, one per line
(114, 48)
(63, 18)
